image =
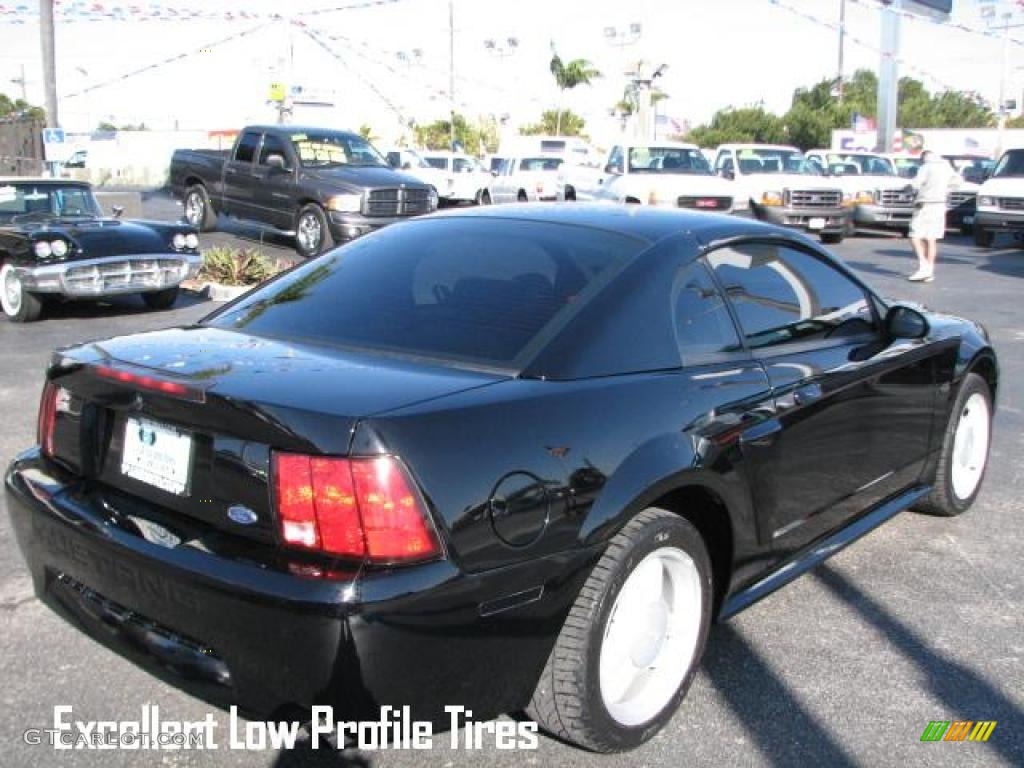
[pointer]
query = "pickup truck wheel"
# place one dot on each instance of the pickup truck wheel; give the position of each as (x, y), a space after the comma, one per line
(983, 238)
(570, 195)
(198, 209)
(630, 646)
(161, 299)
(19, 305)
(832, 238)
(485, 198)
(521, 197)
(312, 235)
(965, 448)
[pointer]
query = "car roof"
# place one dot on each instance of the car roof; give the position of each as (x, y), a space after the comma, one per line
(40, 180)
(664, 144)
(787, 147)
(642, 222)
(845, 152)
(289, 128)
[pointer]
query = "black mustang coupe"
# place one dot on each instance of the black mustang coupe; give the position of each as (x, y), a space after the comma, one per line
(510, 459)
(56, 242)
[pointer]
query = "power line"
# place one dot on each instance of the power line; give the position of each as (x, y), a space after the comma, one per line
(165, 62)
(947, 24)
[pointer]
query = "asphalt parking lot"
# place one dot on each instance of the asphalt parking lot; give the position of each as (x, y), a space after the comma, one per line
(922, 620)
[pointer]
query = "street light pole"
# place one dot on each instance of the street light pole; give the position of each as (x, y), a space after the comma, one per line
(842, 43)
(451, 71)
(46, 35)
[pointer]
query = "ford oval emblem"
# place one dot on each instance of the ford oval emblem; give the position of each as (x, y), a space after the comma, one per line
(242, 515)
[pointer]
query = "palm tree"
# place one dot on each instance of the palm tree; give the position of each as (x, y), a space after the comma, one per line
(567, 76)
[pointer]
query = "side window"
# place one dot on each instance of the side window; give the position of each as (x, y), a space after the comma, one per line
(615, 159)
(702, 322)
(272, 145)
(246, 149)
(724, 160)
(784, 294)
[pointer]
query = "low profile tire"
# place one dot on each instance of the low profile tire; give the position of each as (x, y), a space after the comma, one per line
(965, 450)
(312, 235)
(631, 644)
(161, 299)
(198, 209)
(19, 305)
(983, 238)
(832, 238)
(485, 198)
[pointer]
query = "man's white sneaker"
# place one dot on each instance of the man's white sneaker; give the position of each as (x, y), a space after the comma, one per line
(921, 276)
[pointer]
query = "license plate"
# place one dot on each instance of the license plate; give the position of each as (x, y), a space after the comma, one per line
(157, 455)
(816, 223)
(968, 219)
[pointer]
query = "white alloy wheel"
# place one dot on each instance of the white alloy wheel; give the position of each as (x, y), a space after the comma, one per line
(11, 291)
(970, 446)
(651, 636)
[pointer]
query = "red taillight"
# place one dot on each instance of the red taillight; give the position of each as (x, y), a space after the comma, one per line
(353, 507)
(47, 417)
(142, 381)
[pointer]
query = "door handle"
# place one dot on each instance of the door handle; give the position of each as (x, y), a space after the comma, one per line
(807, 394)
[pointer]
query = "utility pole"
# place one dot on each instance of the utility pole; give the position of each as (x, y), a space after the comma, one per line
(49, 62)
(842, 43)
(451, 71)
(888, 75)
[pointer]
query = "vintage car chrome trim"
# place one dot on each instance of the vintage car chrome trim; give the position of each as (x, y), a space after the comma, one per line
(111, 275)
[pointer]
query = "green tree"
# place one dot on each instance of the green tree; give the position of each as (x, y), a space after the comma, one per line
(556, 122)
(749, 124)
(437, 135)
(19, 108)
(569, 75)
(808, 128)
(366, 131)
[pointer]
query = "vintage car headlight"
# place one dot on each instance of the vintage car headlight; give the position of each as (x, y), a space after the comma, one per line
(43, 249)
(345, 203)
(59, 248)
(771, 198)
(192, 240)
(984, 201)
(178, 241)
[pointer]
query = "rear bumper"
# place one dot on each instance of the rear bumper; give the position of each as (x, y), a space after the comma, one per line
(111, 275)
(999, 221)
(248, 628)
(886, 217)
(833, 219)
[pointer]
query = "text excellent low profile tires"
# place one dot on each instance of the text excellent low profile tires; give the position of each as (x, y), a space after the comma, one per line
(630, 646)
(965, 449)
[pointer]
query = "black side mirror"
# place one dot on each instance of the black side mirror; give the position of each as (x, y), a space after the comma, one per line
(117, 210)
(277, 162)
(902, 322)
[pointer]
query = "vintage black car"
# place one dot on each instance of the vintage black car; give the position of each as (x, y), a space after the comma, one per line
(55, 242)
(507, 459)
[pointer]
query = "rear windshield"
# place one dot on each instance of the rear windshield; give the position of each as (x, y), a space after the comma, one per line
(480, 291)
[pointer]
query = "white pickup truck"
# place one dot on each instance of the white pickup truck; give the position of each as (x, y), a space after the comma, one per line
(1000, 206)
(469, 179)
(782, 187)
(881, 198)
(663, 173)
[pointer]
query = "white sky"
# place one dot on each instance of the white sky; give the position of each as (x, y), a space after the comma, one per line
(719, 53)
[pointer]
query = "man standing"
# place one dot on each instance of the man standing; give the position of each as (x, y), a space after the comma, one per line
(928, 225)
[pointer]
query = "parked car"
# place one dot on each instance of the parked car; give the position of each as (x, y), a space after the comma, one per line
(1000, 200)
(324, 186)
(525, 179)
(515, 458)
(973, 170)
(662, 173)
(881, 199)
(468, 177)
(906, 165)
(783, 188)
(55, 242)
(411, 162)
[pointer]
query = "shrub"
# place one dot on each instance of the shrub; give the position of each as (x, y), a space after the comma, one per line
(237, 266)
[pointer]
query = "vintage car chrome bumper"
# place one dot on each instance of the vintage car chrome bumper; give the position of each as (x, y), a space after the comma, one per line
(110, 275)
